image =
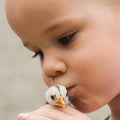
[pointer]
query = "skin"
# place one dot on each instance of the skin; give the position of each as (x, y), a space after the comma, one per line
(87, 64)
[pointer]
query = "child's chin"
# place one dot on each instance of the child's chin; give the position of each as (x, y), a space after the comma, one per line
(87, 109)
(84, 107)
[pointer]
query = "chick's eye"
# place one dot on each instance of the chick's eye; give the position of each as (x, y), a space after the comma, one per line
(52, 97)
(66, 40)
(38, 53)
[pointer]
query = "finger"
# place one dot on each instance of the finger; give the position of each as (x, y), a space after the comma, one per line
(49, 109)
(49, 112)
(70, 110)
(28, 116)
(57, 112)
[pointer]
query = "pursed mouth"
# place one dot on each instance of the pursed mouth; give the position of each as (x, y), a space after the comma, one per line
(69, 89)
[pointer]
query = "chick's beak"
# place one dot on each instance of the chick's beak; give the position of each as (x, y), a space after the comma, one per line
(60, 101)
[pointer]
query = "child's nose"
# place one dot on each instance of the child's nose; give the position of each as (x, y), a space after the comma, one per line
(54, 68)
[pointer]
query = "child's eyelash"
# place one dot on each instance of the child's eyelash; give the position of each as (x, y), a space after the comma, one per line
(66, 40)
(38, 53)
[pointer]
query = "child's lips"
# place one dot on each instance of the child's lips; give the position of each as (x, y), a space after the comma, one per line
(69, 90)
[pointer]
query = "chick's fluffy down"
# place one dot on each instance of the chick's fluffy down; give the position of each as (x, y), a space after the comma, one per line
(55, 93)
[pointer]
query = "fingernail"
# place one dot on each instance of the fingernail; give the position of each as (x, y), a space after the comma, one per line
(22, 115)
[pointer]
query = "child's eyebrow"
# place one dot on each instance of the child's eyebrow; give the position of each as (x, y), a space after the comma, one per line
(61, 23)
(54, 27)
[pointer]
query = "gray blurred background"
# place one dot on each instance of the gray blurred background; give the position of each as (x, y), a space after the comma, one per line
(21, 85)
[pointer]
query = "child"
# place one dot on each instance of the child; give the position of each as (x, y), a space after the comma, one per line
(78, 42)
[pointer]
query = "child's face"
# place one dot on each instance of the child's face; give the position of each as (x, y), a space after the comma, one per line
(78, 44)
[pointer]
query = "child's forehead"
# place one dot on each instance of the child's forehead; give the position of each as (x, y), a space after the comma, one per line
(45, 4)
(45, 9)
(41, 10)
(48, 6)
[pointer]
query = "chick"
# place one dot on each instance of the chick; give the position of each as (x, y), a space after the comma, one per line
(57, 95)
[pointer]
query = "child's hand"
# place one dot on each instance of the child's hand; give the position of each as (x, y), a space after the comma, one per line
(48, 112)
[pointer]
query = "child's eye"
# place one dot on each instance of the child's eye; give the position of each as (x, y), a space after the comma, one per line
(66, 40)
(38, 53)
